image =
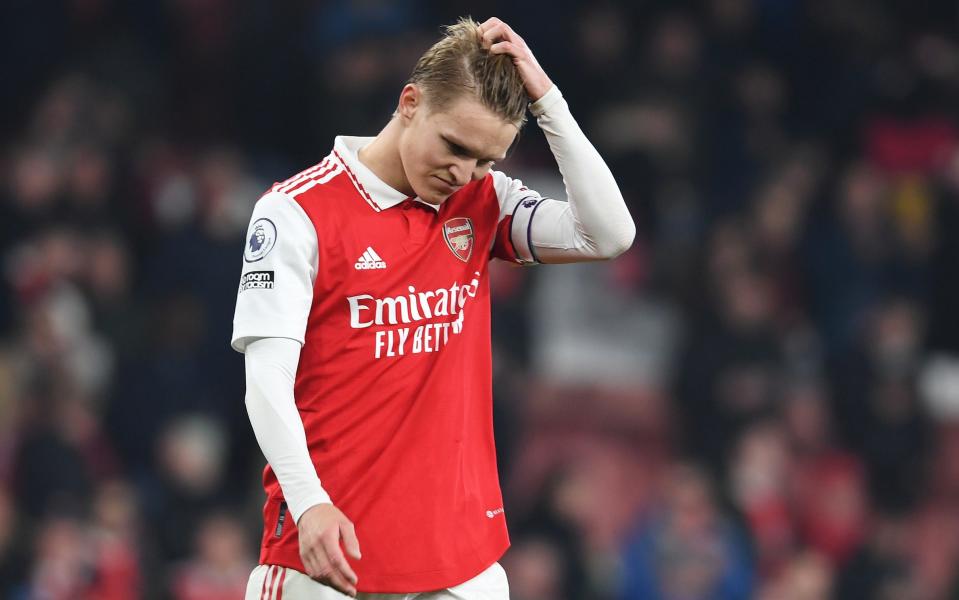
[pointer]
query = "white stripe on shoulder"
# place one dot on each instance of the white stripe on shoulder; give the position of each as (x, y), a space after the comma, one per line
(302, 175)
(327, 165)
(331, 174)
(334, 169)
(314, 182)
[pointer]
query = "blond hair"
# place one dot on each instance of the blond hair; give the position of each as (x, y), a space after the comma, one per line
(458, 62)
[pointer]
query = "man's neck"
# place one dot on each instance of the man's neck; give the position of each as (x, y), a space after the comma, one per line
(382, 157)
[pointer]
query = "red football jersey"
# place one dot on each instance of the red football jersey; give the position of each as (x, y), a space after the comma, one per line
(390, 298)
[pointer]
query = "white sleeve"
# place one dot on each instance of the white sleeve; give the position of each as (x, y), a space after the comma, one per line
(279, 268)
(270, 374)
(593, 225)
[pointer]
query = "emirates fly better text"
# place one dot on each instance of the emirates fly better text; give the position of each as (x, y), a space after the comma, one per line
(396, 317)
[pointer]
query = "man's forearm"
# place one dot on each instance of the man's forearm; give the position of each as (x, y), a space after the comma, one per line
(270, 374)
(596, 223)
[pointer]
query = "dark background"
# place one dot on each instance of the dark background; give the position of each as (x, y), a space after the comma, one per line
(759, 400)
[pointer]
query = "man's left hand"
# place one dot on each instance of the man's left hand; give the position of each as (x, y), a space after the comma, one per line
(501, 39)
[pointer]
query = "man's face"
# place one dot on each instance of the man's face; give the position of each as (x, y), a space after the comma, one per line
(443, 150)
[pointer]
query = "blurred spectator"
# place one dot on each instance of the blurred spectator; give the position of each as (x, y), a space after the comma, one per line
(729, 367)
(59, 456)
(61, 564)
(188, 484)
(760, 489)
(880, 568)
(807, 577)
(14, 559)
(115, 543)
(832, 506)
(934, 551)
(220, 565)
(850, 259)
(688, 549)
(536, 571)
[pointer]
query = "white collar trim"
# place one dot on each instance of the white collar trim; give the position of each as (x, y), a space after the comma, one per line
(374, 190)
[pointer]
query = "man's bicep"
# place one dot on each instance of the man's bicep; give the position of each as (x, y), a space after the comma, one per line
(556, 238)
(279, 267)
(534, 229)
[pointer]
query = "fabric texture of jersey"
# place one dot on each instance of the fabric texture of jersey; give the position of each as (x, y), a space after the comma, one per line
(389, 297)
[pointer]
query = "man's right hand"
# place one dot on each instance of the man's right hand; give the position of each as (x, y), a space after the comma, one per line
(320, 529)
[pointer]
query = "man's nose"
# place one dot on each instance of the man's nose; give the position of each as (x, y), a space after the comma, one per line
(462, 172)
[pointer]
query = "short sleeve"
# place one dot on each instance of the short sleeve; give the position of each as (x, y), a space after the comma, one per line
(518, 205)
(279, 267)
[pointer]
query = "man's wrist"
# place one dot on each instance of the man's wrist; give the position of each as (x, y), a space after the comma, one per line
(551, 97)
(540, 89)
(311, 507)
(307, 503)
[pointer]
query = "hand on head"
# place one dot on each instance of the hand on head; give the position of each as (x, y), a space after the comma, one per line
(501, 39)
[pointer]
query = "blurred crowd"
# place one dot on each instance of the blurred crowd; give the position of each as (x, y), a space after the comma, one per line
(759, 400)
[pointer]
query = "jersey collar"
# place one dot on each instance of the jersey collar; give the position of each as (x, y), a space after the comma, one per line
(374, 190)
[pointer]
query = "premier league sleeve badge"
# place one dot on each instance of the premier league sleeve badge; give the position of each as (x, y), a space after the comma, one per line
(260, 241)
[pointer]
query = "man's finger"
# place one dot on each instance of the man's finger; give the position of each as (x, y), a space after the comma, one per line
(497, 32)
(336, 558)
(350, 542)
(336, 580)
(502, 30)
(511, 35)
(489, 23)
(493, 33)
(505, 48)
(324, 571)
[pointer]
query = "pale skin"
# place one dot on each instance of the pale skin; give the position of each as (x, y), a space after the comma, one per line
(428, 154)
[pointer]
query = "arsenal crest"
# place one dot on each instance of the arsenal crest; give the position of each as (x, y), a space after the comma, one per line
(458, 233)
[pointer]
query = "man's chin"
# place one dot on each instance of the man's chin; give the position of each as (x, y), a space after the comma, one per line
(434, 197)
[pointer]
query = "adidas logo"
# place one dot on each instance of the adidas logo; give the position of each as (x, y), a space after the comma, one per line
(369, 260)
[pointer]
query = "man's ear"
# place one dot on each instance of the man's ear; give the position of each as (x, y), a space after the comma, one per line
(411, 100)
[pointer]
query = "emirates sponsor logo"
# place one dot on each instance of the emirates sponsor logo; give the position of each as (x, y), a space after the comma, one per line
(431, 309)
(367, 310)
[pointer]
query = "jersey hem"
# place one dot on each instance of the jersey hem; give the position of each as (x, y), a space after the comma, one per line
(409, 583)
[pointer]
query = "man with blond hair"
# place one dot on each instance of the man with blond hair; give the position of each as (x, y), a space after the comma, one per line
(364, 314)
